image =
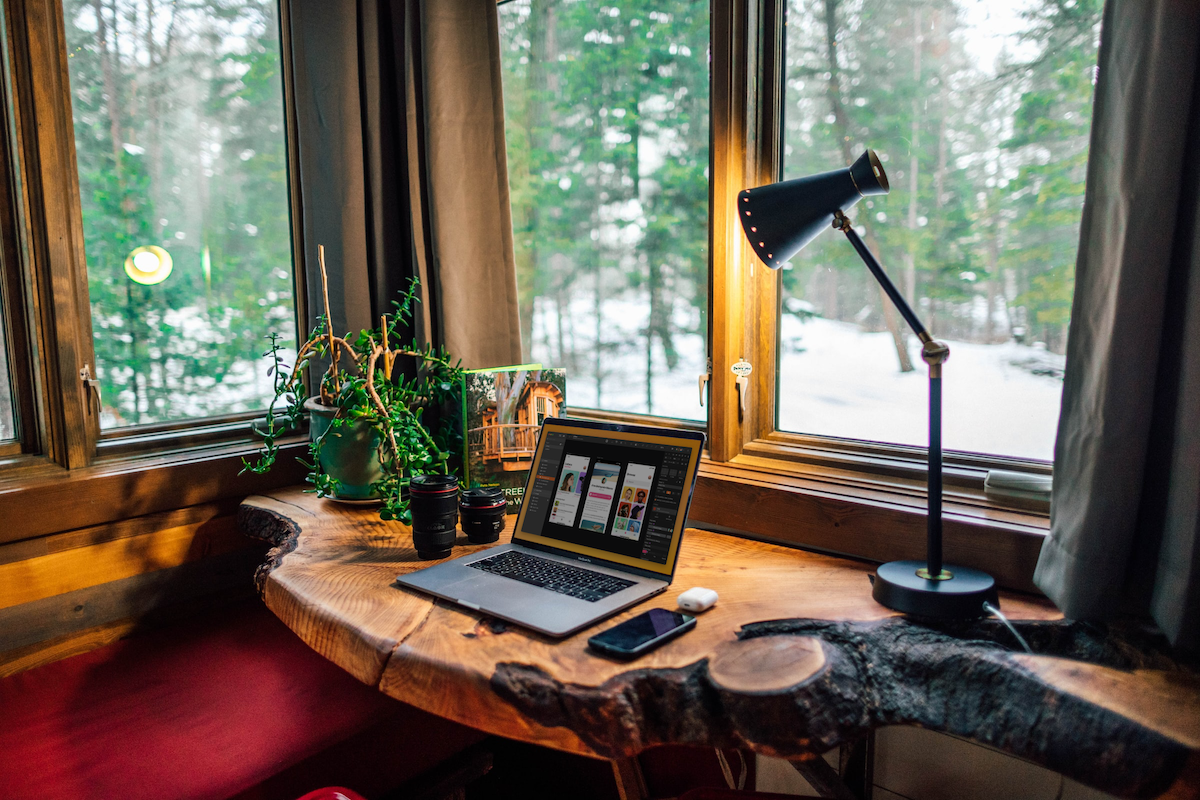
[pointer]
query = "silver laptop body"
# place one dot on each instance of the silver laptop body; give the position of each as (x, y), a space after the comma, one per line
(656, 465)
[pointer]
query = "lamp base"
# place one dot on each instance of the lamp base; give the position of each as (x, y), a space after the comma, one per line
(960, 596)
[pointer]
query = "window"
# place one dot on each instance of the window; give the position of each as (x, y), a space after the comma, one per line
(992, 105)
(179, 139)
(607, 125)
(980, 112)
(146, 245)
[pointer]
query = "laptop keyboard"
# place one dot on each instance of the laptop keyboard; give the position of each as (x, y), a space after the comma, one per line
(571, 581)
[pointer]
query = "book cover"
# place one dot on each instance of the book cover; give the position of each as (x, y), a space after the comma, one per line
(503, 411)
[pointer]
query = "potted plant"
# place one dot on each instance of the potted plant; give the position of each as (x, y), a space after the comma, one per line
(367, 420)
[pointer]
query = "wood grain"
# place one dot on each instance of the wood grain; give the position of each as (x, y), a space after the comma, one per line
(65, 646)
(1164, 701)
(768, 664)
(795, 658)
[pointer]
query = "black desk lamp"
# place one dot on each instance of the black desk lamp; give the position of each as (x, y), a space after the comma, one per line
(779, 220)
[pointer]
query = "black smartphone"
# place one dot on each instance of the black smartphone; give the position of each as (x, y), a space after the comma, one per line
(643, 633)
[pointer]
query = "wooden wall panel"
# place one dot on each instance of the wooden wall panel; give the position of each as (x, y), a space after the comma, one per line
(81, 567)
(68, 593)
(129, 598)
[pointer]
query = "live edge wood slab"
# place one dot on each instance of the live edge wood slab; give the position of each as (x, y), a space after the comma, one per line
(795, 659)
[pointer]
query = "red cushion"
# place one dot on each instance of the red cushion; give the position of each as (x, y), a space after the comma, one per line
(204, 710)
(732, 794)
(333, 793)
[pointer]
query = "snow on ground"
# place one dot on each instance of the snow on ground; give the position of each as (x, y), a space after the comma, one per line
(622, 385)
(838, 380)
(835, 380)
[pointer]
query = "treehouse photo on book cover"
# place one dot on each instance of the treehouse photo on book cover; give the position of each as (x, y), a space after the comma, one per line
(503, 410)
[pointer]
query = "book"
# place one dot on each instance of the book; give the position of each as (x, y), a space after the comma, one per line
(503, 409)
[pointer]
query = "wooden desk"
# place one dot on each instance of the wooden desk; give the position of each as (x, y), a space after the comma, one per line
(795, 659)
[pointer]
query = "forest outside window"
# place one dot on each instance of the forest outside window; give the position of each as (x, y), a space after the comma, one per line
(607, 124)
(981, 114)
(183, 177)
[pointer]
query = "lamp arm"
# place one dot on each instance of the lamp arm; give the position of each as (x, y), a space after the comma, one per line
(842, 223)
(934, 353)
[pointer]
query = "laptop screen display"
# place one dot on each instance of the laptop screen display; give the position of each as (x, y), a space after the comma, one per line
(618, 495)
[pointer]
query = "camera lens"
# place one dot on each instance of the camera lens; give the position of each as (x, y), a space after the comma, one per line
(433, 501)
(482, 512)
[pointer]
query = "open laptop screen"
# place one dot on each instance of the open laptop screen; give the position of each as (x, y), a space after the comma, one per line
(612, 492)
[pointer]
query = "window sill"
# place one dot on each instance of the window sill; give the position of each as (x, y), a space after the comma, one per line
(849, 513)
(51, 500)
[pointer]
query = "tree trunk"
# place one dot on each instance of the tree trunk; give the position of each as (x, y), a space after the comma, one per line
(154, 148)
(993, 254)
(842, 123)
(110, 86)
(653, 285)
(541, 43)
(599, 320)
(914, 166)
(560, 311)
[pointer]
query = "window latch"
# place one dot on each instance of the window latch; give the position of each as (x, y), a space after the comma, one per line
(742, 370)
(703, 388)
(92, 387)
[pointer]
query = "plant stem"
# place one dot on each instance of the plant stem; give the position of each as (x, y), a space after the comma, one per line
(333, 353)
(379, 406)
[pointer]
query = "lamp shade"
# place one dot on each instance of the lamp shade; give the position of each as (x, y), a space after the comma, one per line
(781, 218)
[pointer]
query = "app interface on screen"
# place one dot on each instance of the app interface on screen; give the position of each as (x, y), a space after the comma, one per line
(570, 489)
(611, 494)
(601, 489)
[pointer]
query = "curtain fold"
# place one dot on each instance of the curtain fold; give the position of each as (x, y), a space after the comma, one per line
(403, 167)
(324, 39)
(1124, 519)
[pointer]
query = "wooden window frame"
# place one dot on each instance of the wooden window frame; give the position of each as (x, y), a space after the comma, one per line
(62, 460)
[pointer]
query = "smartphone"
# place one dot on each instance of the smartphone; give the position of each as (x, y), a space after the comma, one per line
(643, 633)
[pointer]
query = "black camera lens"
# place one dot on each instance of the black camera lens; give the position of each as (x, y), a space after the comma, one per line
(482, 513)
(433, 501)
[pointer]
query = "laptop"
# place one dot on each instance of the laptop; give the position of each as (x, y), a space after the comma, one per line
(599, 529)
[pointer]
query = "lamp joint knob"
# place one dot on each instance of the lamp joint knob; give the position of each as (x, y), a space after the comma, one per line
(934, 352)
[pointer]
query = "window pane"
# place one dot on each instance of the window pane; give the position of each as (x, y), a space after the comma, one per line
(179, 135)
(607, 123)
(981, 113)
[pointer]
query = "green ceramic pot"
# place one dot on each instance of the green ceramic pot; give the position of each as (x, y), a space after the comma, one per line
(348, 453)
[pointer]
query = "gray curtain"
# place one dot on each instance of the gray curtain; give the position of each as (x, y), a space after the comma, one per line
(1125, 525)
(403, 170)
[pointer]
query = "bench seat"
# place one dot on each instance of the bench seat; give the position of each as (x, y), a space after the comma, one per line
(230, 705)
